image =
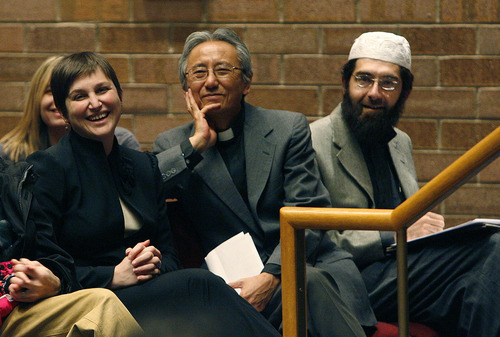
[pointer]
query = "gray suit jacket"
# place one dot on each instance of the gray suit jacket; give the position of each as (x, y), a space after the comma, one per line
(345, 175)
(280, 170)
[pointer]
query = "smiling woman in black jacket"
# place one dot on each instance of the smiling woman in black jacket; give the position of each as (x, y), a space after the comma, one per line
(107, 207)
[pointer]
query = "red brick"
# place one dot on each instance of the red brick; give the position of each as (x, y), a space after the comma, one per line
(430, 164)
(11, 97)
(470, 71)
(454, 103)
(464, 134)
(61, 38)
(142, 99)
(338, 40)
(168, 11)
(488, 103)
(20, 68)
(134, 38)
(180, 33)
(313, 70)
(489, 38)
(491, 173)
(121, 65)
(150, 126)
(127, 122)
(320, 11)
(480, 201)
(425, 70)
(95, 10)
(12, 38)
(276, 39)
(332, 96)
(452, 220)
(243, 11)
(28, 10)
(423, 133)
(157, 69)
(8, 122)
(470, 11)
(299, 99)
(435, 40)
(176, 99)
(397, 11)
(266, 69)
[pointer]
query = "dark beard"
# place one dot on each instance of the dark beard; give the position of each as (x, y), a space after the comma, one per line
(374, 128)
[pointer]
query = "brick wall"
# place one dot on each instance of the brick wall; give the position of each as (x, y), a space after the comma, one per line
(298, 47)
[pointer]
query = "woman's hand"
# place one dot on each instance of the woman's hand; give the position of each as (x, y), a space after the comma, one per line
(33, 281)
(146, 259)
(140, 264)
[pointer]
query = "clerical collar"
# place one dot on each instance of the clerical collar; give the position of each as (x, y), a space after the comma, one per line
(235, 130)
(225, 135)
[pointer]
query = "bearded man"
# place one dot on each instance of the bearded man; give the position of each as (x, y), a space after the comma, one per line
(366, 162)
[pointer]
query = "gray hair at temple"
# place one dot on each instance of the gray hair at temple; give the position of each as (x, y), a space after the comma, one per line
(221, 34)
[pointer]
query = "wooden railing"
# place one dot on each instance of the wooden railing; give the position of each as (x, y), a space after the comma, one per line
(294, 220)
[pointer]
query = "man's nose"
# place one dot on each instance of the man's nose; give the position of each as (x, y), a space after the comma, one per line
(375, 91)
(211, 80)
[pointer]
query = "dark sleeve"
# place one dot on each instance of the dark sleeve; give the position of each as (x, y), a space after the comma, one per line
(302, 182)
(164, 238)
(302, 186)
(45, 249)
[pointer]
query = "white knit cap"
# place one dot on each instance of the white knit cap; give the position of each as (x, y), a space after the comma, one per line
(382, 46)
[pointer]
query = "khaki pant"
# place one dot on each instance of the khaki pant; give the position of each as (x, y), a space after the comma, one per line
(90, 312)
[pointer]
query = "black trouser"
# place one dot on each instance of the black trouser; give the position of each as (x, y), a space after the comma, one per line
(193, 302)
(327, 314)
(454, 285)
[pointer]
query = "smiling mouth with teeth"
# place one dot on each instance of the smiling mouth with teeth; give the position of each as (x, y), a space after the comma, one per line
(98, 117)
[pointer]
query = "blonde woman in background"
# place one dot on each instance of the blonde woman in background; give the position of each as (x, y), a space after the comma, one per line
(41, 125)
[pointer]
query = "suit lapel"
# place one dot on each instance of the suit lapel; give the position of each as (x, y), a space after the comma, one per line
(215, 174)
(350, 155)
(259, 153)
(401, 166)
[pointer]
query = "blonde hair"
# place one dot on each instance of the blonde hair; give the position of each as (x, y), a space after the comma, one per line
(30, 134)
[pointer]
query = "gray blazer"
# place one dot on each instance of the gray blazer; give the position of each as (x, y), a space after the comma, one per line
(345, 175)
(280, 170)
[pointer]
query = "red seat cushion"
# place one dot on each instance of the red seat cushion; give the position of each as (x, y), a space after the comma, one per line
(416, 330)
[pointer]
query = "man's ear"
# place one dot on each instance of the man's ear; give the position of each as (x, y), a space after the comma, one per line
(246, 87)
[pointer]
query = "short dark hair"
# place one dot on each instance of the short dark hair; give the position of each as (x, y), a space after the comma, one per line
(405, 73)
(73, 66)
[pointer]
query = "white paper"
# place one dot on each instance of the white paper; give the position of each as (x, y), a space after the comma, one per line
(235, 258)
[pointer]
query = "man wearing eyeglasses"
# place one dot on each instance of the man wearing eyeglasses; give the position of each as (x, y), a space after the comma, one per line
(366, 162)
(235, 165)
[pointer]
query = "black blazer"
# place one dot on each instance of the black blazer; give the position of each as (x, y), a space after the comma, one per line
(78, 188)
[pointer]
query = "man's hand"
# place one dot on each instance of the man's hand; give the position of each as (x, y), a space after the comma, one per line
(204, 134)
(257, 290)
(428, 224)
(33, 281)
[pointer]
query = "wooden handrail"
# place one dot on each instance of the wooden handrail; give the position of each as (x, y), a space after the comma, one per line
(294, 220)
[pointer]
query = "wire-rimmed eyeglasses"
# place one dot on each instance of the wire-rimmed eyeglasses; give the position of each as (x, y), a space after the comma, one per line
(200, 73)
(386, 83)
